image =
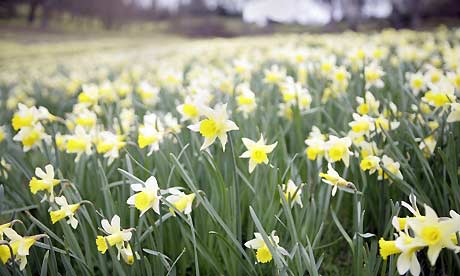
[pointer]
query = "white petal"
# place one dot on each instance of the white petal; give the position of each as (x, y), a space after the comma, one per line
(195, 127)
(208, 142)
(254, 243)
(252, 165)
(230, 125)
(115, 223)
(137, 187)
(49, 171)
(106, 226)
(246, 154)
(151, 183)
(433, 253)
(248, 143)
(403, 263)
(130, 200)
(40, 173)
(223, 140)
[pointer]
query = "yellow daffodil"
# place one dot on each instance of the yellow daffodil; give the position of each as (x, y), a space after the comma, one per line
(181, 201)
(2, 133)
(66, 210)
(146, 196)
(274, 75)
(151, 133)
(89, 95)
(338, 149)
(391, 166)
(109, 144)
(46, 182)
(257, 152)
(263, 254)
(189, 110)
(293, 192)
(216, 125)
(435, 233)
(370, 163)
(367, 105)
(454, 115)
(80, 142)
(19, 245)
(362, 124)
(31, 136)
(333, 178)
(115, 236)
(315, 144)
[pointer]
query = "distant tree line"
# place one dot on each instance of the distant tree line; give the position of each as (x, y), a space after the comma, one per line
(405, 13)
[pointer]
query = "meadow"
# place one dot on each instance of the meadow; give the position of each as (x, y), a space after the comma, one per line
(306, 154)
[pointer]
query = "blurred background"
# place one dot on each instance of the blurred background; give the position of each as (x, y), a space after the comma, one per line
(223, 18)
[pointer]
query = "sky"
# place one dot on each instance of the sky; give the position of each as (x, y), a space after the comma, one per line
(307, 12)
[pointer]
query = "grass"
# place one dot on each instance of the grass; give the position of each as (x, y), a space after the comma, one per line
(328, 235)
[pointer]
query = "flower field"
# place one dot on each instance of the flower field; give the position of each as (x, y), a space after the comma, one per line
(283, 155)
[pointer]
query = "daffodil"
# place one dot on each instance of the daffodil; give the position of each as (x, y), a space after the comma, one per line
(5, 226)
(89, 94)
(435, 233)
(46, 182)
(370, 163)
(27, 117)
(407, 259)
(109, 144)
(274, 75)
(216, 125)
(86, 118)
(31, 136)
(257, 152)
(391, 165)
(263, 254)
(382, 123)
(338, 149)
(151, 133)
(454, 115)
(19, 245)
(2, 133)
(115, 236)
(428, 145)
(146, 197)
(362, 124)
(182, 202)
(80, 142)
(333, 178)
(373, 74)
(148, 93)
(293, 192)
(66, 210)
(416, 82)
(367, 105)
(440, 94)
(316, 144)
(246, 99)
(190, 109)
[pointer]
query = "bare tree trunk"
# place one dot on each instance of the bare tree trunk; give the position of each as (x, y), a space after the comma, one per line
(32, 11)
(47, 13)
(415, 7)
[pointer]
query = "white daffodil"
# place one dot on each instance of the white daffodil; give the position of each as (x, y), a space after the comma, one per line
(216, 125)
(293, 192)
(257, 151)
(66, 210)
(115, 236)
(181, 201)
(146, 196)
(263, 254)
(45, 183)
(333, 178)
